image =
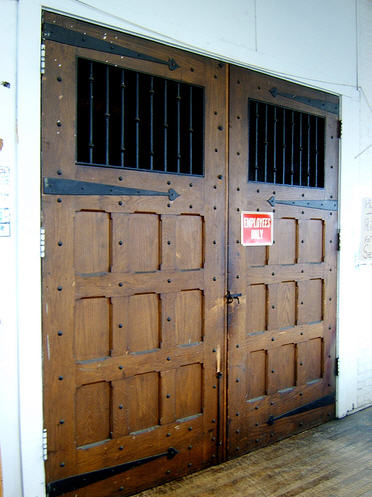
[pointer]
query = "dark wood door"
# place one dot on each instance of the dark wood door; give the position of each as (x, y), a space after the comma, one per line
(281, 339)
(133, 281)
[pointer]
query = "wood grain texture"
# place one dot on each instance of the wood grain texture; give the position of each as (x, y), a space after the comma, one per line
(282, 334)
(133, 287)
(332, 460)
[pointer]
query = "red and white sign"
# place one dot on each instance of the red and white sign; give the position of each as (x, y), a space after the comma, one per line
(257, 228)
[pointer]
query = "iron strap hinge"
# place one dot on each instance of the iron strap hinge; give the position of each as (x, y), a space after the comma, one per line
(45, 444)
(327, 205)
(60, 186)
(322, 402)
(66, 36)
(312, 102)
(72, 483)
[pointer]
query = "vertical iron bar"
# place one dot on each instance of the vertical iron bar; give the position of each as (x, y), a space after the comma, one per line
(122, 136)
(292, 147)
(308, 149)
(190, 131)
(256, 145)
(300, 149)
(137, 120)
(165, 125)
(91, 104)
(178, 128)
(284, 147)
(274, 151)
(316, 152)
(107, 118)
(266, 143)
(152, 123)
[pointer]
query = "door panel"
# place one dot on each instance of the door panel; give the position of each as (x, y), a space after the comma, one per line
(133, 317)
(281, 335)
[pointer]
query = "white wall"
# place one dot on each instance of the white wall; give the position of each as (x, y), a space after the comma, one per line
(364, 273)
(313, 42)
(9, 429)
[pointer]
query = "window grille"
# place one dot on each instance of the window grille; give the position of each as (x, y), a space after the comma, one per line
(286, 147)
(131, 120)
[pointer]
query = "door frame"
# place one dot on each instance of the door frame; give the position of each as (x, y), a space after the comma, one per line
(28, 231)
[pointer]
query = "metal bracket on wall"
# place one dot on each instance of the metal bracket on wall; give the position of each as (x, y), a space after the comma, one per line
(59, 186)
(60, 34)
(312, 102)
(327, 205)
(72, 483)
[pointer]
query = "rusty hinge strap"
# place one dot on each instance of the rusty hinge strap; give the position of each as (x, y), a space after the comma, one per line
(322, 402)
(312, 102)
(72, 483)
(60, 34)
(59, 186)
(327, 205)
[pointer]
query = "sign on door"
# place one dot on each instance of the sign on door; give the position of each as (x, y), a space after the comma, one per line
(257, 228)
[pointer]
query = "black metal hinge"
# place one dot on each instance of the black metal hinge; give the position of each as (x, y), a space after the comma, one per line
(338, 240)
(327, 205)
(337, 366)
(312, 102)
(322, 402)
(339, 129)
(72, 483)
(60, 186)
(60, 34)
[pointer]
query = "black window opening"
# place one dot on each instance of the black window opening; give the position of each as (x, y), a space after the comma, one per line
(131, 120)
(286, 147)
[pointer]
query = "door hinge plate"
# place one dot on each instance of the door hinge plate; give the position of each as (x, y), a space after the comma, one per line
(312, 102)
(42, 58)
(42, 242)
(45, 444)
(338, 240)
(339, 129)
(66, 36)
(337, 366)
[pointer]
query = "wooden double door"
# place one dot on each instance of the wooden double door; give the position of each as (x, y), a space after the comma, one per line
(150, 155)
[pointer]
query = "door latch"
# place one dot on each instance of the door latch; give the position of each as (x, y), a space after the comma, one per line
(231, 296)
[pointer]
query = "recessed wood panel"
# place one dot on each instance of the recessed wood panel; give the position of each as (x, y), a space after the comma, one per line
(188, 390)
(92, 328)
(310, 301)
(256, 308)
(189, 236)
(189, 317)
(142, 322)
(92, 413)
(284, 251)
(135, 403)
(256, 256)
(311, 240)
(310, 359)
(136, 242)
(256, 374)
(92, 242)
(281, 371)
(286, 304)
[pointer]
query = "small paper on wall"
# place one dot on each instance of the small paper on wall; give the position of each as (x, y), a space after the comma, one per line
(365, 253)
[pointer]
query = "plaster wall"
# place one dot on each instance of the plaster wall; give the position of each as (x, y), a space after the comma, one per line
(313, 42)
